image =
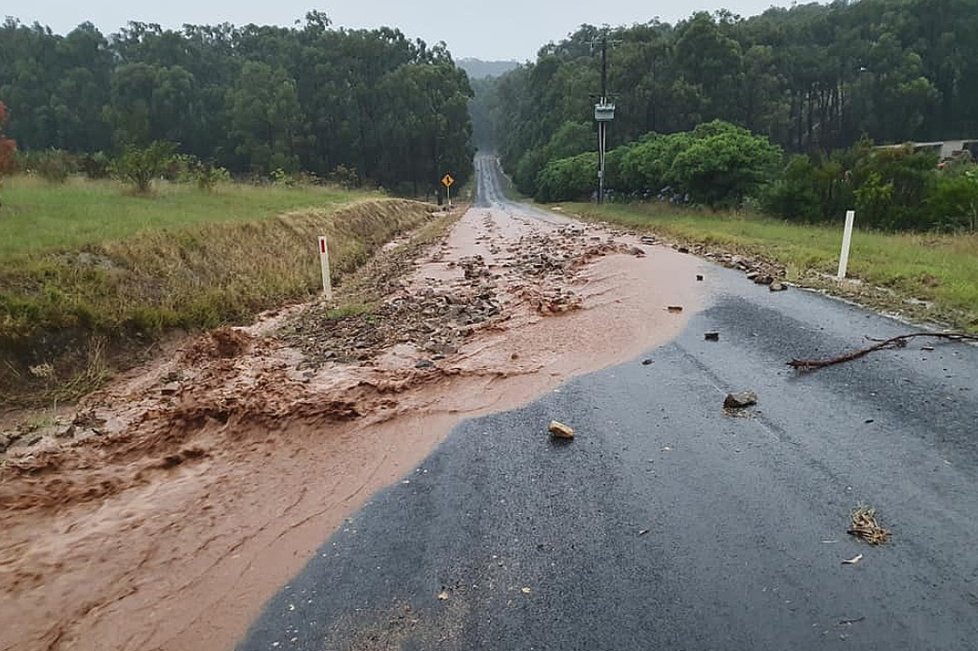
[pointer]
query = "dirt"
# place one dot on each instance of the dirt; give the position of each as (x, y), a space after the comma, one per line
(164, 510)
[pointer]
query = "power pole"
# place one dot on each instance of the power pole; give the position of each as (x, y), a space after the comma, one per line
(604, 113)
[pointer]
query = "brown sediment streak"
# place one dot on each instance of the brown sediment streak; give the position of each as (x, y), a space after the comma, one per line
(188, 493)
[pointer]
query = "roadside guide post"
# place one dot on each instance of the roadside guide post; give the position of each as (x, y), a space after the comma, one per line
(846, 243)
(324, 262)
(447, 181)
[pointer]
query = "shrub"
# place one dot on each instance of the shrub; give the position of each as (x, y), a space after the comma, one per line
(345, 177)
(55, 165)
(95, 166)
(724, 167)
(953, 202)
(568, 179)
(139, 166)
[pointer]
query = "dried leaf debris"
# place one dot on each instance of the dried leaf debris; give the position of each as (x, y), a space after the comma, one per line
(865, 527)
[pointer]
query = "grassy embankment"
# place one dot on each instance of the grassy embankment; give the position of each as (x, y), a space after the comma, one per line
(89, 274)
(895, 268)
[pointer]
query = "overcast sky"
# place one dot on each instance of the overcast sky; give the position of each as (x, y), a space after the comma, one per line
(502, 29)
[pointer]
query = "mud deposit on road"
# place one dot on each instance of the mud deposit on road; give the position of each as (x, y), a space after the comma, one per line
(181, 498)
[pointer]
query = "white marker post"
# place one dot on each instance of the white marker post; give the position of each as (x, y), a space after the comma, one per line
(846, 243)
(324, 261)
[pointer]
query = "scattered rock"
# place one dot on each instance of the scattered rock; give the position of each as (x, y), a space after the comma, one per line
(777, 286)
(560, 431)
(740, 400)
(712, 336)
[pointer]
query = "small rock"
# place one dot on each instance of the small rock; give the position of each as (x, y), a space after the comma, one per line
(740, 400)
(4, 443)
(675, 308)
(560, 431)
(170, 388)
(699, 277)
(777, 286)
(33, 440)
(683, 249)
(647, 239)
(514, 356)
(712, 336)
(763, 279)
(647, 362)
(752, 275)
(424, 363)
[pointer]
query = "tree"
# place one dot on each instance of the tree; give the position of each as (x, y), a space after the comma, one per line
(251, 99)
(266, 118)
(139, 166)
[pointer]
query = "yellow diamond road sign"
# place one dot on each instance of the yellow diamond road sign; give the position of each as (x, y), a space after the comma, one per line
(447, 180)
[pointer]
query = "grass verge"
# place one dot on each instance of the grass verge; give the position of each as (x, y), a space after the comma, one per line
(899, 271)
(39, 216)
(67, 317)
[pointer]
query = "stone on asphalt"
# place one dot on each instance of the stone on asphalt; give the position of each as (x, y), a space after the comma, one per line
(740, 400)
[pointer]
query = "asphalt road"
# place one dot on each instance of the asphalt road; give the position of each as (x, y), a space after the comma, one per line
(668, 524)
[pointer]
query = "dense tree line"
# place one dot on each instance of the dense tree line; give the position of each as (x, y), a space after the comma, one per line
(721, 165)
(253, 99)
(812, 78)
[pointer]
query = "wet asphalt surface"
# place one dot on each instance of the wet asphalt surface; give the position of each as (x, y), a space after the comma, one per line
(669, 524)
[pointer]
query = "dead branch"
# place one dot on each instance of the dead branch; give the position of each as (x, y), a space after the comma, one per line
(895, 342)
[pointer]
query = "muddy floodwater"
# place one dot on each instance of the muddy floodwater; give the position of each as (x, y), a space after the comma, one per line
(188, 492)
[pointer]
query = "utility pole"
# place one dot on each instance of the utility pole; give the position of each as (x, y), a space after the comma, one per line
(604, 113)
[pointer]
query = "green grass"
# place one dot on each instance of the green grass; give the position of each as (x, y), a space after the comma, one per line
(90, 274)
(942, 269)
(37, 216)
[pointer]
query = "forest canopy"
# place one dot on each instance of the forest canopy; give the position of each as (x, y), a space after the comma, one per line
(254, 99)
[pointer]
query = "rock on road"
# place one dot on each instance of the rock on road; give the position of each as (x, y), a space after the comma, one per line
(668, 523)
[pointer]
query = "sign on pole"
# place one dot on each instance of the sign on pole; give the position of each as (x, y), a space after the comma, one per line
(447, 181)
(846, 243)
(324, 262)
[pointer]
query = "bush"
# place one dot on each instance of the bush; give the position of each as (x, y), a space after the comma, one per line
(345, 177)
(95, 166)
(7, 146)
(568, 179)
(139, 166)
(55, 166)
(724, 167)
(891, 187)
(953, 202)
